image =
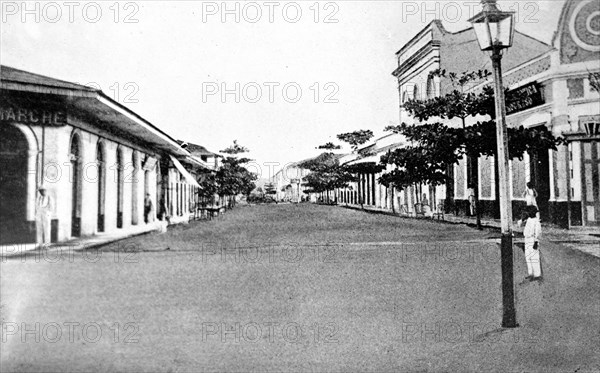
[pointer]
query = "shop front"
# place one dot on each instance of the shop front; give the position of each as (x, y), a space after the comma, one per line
(584, 145)
(96, 159)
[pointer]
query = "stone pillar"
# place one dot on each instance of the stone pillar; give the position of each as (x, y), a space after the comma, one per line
(110, 208)
(377, 202)
(89, 184)
(58, 176)
(136, 183)
(128, 176)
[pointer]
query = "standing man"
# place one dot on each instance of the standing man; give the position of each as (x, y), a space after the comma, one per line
(532, 234)
(43, 216)
(148, 209)
(472, 209)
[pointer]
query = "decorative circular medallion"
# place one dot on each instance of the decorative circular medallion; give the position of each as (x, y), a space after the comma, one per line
(585, 25)
(593, 23)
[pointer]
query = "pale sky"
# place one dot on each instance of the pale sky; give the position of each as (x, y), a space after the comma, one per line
(179, 52)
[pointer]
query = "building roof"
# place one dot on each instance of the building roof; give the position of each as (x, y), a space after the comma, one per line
(382, 144)
(91, 105)
(10, 74)
(198, 150)
(296, 164)
(440, 32)
(436, 22)
(318, 157)
(459, 51)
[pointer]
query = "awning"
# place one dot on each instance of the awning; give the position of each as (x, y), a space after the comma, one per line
(369, 159)
(89, 105)
(537, 119)
(190, 179)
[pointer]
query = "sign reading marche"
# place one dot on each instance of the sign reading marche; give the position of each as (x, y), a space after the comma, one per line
(33, 116)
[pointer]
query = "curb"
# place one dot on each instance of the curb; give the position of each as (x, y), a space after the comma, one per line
(56, 246)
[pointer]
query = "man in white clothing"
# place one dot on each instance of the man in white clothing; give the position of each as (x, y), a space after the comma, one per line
(43, 216)
(532, 234)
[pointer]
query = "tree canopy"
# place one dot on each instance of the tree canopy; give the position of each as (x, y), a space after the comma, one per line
(208, 185)
(437, 146)
(329, 146)
(326, 174)
(232, 178)
(595, 81)
(234, 149)
(356, 138)
(270, 188)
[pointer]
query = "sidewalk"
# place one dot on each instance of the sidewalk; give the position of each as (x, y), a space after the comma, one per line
(585, 239)
(78, 243)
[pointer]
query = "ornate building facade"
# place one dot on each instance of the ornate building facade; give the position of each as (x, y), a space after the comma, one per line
(554, 83)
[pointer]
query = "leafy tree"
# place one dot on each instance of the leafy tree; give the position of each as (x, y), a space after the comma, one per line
(326, 174)
(329, 146)
(270, 188)
(459, 104)
(437, 147)
(233, 178)
(208, 185)
(235, 149)
(595, 81)
(356, 138)
(417, 168)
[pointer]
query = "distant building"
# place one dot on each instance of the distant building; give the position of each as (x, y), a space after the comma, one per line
(209, 160)
(289, 183)
(367, 191)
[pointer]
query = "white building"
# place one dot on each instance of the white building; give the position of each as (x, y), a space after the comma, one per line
(97, 159)
(558, 94)
(288, 183)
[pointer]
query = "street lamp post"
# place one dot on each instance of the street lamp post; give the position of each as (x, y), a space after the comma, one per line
(495, 30)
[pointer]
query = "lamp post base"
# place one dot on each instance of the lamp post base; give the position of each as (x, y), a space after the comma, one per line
(509, 318)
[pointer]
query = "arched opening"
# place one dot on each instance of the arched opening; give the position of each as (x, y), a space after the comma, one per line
(119, 188)
(74, 156)
(100, 160)
(146, 193)
(164, 192)
(13, 186)
(430, 87)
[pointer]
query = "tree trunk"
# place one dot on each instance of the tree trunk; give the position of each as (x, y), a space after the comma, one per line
(449, 201)
(433, 199)
(393, 196)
